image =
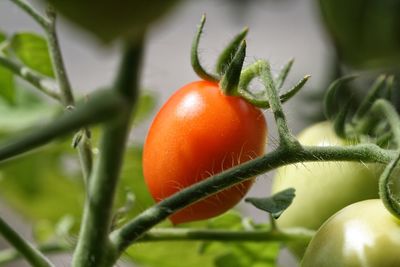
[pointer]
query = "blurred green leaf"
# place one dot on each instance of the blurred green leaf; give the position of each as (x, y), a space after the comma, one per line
(216, 254)
(145, 105)
(3, 37)
(7, 88)
(32, 50)
(28, 110)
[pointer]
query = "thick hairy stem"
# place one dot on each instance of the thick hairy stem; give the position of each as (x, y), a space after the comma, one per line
(32, 255)
(134, 229)
(94, 248)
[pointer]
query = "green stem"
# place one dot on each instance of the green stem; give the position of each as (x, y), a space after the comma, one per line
(58, 62)
(67, 97)
(31, 254)
(286, 138)
(388, 111)
(135, 228)
(179, 234)
(44, 84)
(94, 248)
(101, 107)
(41, 20)
(388, 197)
(10, 255)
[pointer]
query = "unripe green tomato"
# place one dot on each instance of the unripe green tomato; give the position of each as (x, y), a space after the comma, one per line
(362, 234)
(111, 19)
(366, 33)
(323, 188)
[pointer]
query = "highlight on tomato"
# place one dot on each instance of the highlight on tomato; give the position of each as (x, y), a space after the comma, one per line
(197, 133)
(362, 234)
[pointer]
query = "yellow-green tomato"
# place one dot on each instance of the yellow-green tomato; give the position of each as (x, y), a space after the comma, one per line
(323, 188)
(363, 234)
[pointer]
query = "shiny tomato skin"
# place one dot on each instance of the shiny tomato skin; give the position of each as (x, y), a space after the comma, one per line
(362, 234)
(197, 133)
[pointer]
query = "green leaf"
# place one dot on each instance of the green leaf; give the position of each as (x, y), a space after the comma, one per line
(3, 36)
(275, 204)
(28, 111)
(145, 105)
(7, 87)
(33, 51)
(242, 254)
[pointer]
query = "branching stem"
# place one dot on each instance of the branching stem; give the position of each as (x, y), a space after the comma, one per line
(135, 228)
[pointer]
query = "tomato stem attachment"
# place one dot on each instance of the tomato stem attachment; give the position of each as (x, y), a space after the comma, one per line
(195, 60)
(230, 80)
(229, 52)
(329, 102)
(261, 100)
(280, 80)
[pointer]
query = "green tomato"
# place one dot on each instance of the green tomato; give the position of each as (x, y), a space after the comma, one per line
(323, 188)
(362, 234)
(365, 32)
(111, 19)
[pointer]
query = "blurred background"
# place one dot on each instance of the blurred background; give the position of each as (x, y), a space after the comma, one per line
(279, 30)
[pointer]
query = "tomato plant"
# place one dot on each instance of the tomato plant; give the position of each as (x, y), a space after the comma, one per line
(323, 188)
(197, 133)
(362, 234)
(200, 157)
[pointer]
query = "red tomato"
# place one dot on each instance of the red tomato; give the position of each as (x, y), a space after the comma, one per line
(197, 133)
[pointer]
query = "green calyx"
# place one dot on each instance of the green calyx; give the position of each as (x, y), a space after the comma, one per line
(362, 121)
(233, 78)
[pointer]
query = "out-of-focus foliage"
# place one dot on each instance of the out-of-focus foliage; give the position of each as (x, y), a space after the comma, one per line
(7, 91)
(112, 19)
(366, 33)
(46, 187)
(207, 254)
(32, 50)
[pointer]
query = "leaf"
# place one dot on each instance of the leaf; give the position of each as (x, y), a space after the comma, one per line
(33, 51)
(28, 111)
(275, 204)
(241, 254)
(7, 87)
(3, 37)
(145, 105)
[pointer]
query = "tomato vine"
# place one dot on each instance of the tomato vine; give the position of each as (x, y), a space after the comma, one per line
(97, 245)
